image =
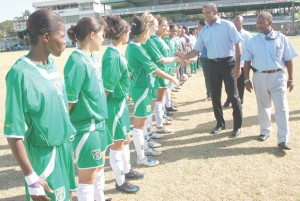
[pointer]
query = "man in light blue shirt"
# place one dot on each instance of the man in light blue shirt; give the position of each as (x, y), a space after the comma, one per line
(222, 41)
(270, 53)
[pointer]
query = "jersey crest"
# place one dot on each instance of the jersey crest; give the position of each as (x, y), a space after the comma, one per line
(58, 87)
(60, 194)
(96, 154)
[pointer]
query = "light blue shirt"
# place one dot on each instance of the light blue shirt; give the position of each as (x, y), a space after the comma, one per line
(246, 35)
(219, 39)
(268, 54)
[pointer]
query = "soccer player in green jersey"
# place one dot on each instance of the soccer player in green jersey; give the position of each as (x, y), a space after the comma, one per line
(158, 51)
(172, 52)
(142, 83)
(116, 81)
(36, 96)
(88, 108)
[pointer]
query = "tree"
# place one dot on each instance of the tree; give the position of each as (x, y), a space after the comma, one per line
(26, 14)
(6, 28)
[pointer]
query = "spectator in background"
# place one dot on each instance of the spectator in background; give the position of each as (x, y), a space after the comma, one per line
(204, 62)
(238, 22)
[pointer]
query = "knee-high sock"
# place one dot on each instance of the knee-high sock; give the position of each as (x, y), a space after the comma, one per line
(146, 138)
(99, 186)
(168, 98)
(116, 163)
(85, 192)
(138, 141)
(126, 158)
(159, 113)
(149, 124)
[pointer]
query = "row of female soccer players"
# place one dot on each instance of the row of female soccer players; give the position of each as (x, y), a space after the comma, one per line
(88, 111)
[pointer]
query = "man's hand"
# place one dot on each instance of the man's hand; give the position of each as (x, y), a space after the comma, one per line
(290, 85)
(237, 70)
(248, 85)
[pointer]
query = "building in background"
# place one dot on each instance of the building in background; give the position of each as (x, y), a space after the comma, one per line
(188, 12)
(72, 10)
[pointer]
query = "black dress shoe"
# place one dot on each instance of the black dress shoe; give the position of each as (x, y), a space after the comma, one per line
(284, 146)
(262, 137)
(217, 129)
(236, 132)
(127, 187)
(132, 174)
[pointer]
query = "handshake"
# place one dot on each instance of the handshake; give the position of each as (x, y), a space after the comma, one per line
(180, 58)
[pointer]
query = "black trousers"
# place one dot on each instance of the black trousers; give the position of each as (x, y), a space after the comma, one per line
(241, 87)
(219, 71)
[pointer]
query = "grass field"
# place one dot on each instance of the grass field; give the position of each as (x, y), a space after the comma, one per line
(195, 165)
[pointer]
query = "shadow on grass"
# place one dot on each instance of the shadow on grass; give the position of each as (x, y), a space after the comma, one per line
(7, 160)
(15, 198)
(11, 178)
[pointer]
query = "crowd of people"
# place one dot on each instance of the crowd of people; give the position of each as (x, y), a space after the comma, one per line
(49, 117)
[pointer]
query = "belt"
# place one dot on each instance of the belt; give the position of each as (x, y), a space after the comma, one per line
(267, 71)
(220, 59)
(271, 71)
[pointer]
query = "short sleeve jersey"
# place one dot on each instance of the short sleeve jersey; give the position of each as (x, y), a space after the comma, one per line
(156, 51)
(115, 74)
(140, 65)
(36, 97)
(83, 79)
(172, 46)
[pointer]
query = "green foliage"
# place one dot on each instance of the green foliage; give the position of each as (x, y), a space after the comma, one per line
(6, 28)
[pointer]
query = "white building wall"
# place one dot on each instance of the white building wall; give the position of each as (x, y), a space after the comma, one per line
(72, 10)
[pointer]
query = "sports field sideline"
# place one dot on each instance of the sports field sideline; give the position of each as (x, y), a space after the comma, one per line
(195, 165)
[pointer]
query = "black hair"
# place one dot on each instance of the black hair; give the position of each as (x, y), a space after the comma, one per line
(201, 22)
(41, 22)
(172, 26)
(138, 26)
(116, 26)
(85, 26)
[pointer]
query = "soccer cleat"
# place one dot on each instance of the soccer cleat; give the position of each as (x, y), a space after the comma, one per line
(173, 96)
(166, 122)
(147, 162)
(168, 113)
(172, 109)
(164, 130)
(152, 144)
(132, 174)
(152, 152)
(156, 135)
(127, 187)
(166, 117)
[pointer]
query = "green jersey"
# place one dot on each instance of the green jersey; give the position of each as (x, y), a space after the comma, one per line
(36, 96)
(157, 49)
(172, 50)
(115, 74)
(85, 89)
(140, 65)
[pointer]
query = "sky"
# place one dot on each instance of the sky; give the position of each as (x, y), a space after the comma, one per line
(14, 8)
